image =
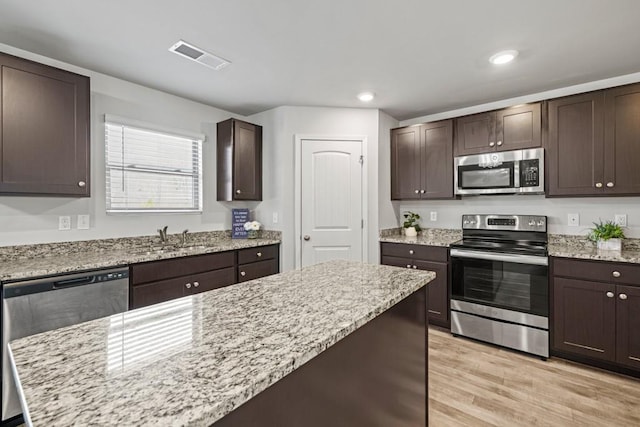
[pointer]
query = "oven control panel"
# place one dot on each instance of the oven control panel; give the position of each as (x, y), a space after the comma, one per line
(505, 222)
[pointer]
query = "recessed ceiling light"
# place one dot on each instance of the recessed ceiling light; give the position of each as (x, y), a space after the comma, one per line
(201, 56)
(503, 57)
(365, 96)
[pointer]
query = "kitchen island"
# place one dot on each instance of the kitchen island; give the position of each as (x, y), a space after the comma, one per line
(339, 343)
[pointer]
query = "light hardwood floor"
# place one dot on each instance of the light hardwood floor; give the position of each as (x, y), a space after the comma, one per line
(474, 384)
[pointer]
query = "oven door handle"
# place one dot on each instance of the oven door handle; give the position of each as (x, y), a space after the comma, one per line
(490, 256)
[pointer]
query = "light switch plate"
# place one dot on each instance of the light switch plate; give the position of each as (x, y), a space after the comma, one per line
(573, 220)
(84, 222)
(434, 216)
(275, 218)
(64, 222)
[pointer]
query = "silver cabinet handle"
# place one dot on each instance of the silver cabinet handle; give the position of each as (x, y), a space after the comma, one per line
(491, 144)
(415, 266)
(622, 296)
(188, 285)
(417, 191)
(598, 185)
(610, 184)
(242, 273)
(408, 265)
(81, 184)
(616, 274)
(609, 294)
(259, 254)
(238, 192)
(421, 191)
(307, 237)
(196, 284)
(411, 251)
(499, 143)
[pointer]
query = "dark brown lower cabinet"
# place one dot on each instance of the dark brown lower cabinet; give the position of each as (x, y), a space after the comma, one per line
(423, 257)
(596, 311)
(158, 281)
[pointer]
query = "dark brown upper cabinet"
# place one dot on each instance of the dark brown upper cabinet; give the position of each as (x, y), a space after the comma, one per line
(239, 161)
(593, 143)
(44, 129)
(422, 161)
(512, 128)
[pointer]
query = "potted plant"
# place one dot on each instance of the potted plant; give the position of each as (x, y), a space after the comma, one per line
(253, 229)
(607, 235)
(410, 224)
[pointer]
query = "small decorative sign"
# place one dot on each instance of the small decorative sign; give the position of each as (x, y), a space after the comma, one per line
(238, 218)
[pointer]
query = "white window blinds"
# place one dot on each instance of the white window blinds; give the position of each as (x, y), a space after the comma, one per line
(150, 170)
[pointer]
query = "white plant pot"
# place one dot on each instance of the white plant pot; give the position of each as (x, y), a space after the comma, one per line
(410, 232)
(610, 245)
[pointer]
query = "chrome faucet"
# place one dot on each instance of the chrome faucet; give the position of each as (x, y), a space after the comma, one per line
(184, 237)
(163, 234)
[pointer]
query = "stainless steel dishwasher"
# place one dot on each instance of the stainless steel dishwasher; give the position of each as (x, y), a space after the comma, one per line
(43, 304)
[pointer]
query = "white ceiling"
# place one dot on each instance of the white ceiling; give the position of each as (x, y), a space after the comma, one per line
(418, 56)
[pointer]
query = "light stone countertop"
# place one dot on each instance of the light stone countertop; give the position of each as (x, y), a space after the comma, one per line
(591, 253)
(429, 237)
(215, 351)
(89, 255)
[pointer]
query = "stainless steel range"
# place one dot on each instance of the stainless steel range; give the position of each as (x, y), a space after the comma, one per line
(500, 284)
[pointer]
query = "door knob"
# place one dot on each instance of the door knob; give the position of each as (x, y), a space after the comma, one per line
(616, 274)
(622, 296)
(610, 184)
(609, 294)
(598, 185)
(491, 144)
(307, 237)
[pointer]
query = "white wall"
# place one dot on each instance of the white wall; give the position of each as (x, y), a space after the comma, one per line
(590, 209)
(25, 220)
(279, 164)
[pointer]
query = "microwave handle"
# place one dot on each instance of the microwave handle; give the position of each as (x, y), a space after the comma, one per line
(516, 174)
(516, 258)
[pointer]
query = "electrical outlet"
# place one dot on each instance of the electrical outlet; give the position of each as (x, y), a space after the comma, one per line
(573, 220)
(64, 223)
(621, 219)
(275, 218)
(84, 222)
(433, 216)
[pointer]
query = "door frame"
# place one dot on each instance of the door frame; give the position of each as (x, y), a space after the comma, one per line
(299, 139)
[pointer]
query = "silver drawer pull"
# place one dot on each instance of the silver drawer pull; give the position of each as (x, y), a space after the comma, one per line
(242, 273)
(610, 184)
(196, 284)
(259, 254)
(411, 251)
(188, 285)
(238, 192)
(598, 185)
(408, 265)
(622, 296)
(81, 184)
(491, 144)
(415, 266)
(616, 274)
(609, 294)
(417, 191)
(499, 143)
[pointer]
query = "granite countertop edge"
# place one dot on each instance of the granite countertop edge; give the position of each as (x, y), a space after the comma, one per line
(27, 268)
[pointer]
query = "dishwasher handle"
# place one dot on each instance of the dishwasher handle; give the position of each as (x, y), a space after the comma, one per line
(69, 283)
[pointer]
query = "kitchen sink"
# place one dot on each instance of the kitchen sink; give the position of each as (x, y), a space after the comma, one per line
(173, 249)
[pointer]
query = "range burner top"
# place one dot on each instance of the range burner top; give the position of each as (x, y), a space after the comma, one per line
(515, 234)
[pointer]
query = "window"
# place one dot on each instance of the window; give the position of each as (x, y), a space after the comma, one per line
(150, 169)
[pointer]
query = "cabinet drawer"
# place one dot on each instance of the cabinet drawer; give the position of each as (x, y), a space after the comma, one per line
(165, 290)
(178, 267)
(422, 252)
(259, 253)
(257, 269)
(601, 271)
(396, 261)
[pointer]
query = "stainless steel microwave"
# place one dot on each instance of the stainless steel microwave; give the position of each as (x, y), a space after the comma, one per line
(506, 172)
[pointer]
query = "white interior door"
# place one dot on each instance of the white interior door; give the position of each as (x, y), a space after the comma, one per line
(331, 201)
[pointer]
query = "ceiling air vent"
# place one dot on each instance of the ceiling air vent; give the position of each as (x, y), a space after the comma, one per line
(189, 51)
